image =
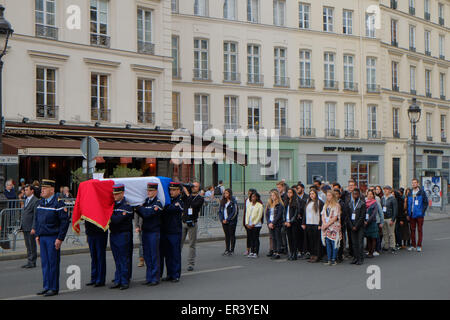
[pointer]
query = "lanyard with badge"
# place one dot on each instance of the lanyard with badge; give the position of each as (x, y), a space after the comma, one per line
(190, 208)
(354, 208)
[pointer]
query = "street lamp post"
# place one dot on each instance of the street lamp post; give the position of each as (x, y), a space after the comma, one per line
(414, 113)
(5, 32)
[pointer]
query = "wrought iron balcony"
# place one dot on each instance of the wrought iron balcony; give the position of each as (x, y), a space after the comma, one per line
(413, 92)
(255, 79)
(350, 86)
(146, 117)
(441, 56)
(441, 21)
(395, 88)
(232, 77)
(306, 83)
(100, 40)
(394, 43)
(429, 138)
(307, 132)
(48, 32)
(146, 47)
(428, 94)
(284, 132)
(412, 11)
(443, 138)
(231, 126)
(330, 85)
(442, 97)
(393, 4)
(47, 112)
(281, 81)
(373, 134)
(373, 88)
(396, 134)
(202, 74)
(100, 114)
(332, 133)
(351, 133)
(176, 73)
(413, 49)
(427, 53)
(427, 16)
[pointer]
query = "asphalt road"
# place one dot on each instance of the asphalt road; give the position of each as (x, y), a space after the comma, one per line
(407, 275)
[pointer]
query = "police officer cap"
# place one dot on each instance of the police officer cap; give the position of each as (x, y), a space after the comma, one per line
(152, 186)
(118, 188)
(175, 185)
(48, 183)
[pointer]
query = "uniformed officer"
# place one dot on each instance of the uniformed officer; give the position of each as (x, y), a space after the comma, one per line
(97, 239)
(51, 224)
(121, 238)
(151, 212)
(171, 230)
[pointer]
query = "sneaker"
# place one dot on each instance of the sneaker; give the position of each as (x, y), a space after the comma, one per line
(376, 254)
(254, 256)
(328, 263)
(230, 253)
(419, 249)
(246, 253)
(250, 255)
(225, 253)
(333, 263)
(411, 249)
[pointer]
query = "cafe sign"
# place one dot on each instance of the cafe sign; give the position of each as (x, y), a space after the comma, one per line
(343, 149)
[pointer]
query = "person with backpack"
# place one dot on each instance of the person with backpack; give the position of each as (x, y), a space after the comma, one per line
(219, 189)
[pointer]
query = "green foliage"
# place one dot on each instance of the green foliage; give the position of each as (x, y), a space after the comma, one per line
(124, 172)
(78, 176)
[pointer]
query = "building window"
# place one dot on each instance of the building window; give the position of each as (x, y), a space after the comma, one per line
(330, 119)
(347, 22)
(231, 112)
(253, 64)
(279, 12)
(370, 25)
(254, 114)
(429, 128)
(394, 35)
(201, 8)
(176, 110)
(372, 122)
(253, 11)
(100, 97)
(144, 28)
(46, 93)
(412, 79)
(350, 120)
(202, 111)
(280, 67)
(145, 101)
(229, 9)
(305, 69)
(427, 43)
(176, 72)
(304, 15)
(426, 9)
(280, 116)
(395, 122)
(305, 116)
(174, 6)
(443, 128)
(329, 74)
(441, 13)
(46, 19)
(395, 86)
(412, 7)
(441, 46)
(230, 57)
(348, 73)
(442, 85)
(327, 19)
(371, 71)
(412, 38)
(99, 23)
(428, 83)
(201, 59)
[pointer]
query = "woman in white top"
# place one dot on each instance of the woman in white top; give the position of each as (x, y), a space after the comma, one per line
(253, 223)
(247, 202)
(311, 225)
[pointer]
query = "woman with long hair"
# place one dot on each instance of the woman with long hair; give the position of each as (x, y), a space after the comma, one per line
(371, 225)
(331, 227)
(247, 203)
(228, 214)
(311, 225)
(378, 196)
(253, 223)
(274, 217)
(291, 213)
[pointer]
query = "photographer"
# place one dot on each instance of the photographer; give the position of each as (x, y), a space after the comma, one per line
(193, 203)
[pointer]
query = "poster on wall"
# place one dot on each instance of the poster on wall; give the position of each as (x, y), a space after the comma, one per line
(433, 189)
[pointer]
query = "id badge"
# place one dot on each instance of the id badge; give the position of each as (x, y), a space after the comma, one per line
(190, 212)
(353, 216)
(367, 216)
(416, 202)
(384, 209)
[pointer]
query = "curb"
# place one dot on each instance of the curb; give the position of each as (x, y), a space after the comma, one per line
(85, 249)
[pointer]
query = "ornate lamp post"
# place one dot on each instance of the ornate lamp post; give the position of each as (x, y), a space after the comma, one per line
(414, 113)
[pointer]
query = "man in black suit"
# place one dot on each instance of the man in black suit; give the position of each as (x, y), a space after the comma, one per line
(27, 226)
(355, 222)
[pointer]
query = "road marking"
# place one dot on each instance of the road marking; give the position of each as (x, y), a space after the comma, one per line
(448, 238)
(135, 280)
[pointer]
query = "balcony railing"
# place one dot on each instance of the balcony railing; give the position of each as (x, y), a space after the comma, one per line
(307, 132)
(442, 97)
(332, 133)
(412, 11)
(231, 77)
(396, 134)
(330, 85)
(284, 132)
(441, 56)
(373, 88)
(202, 74)
(427, 53)
(373, 134)
(176, 73)
(413, 92)
(350, 133)
(100, 114)
(146, 47)
(306, 83)
(428, 94)
(281, 81)
(394, 43)
(443, 138)
(393, 4)
(48, 32)
(429, 138)
(146, 117)
(395, 88)
(255, 79)
(47, 112)
(413, 49)
(254, 129)
(441, 21)
(350, 86)
(100, 40)
(231, 126)
(427, 16)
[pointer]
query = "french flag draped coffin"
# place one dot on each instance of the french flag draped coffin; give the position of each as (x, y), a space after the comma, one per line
(95, 201)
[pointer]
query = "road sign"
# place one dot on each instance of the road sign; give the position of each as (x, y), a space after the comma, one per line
(89, 147)
(9, 160)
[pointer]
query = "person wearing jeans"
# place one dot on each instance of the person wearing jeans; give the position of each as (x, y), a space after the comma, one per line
(331, 227)
(417, 206)
(228, 214)
(390, 210)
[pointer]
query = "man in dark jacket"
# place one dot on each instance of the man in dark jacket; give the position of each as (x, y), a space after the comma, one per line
(281, 186)
(357, 215)
(26, 226)
(193, 203)
(302, 199)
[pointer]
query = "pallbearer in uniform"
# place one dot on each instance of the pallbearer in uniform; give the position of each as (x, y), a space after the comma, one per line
(171, 230)
(97, 239)
(51, 224)
(151, 212)
(121, 238)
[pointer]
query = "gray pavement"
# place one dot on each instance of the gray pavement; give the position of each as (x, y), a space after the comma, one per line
(406, 275)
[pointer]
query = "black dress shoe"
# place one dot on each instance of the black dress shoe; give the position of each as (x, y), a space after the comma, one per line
(90, 284)
(358, 263)
(50, 293)
(270, 254)
(167, 279)
(146, 283)
(152, 284)
(115, 286)
(175, 280)
(25, 266)
(124, 287)
(98, 285)
(354, 261)
(40, 293)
